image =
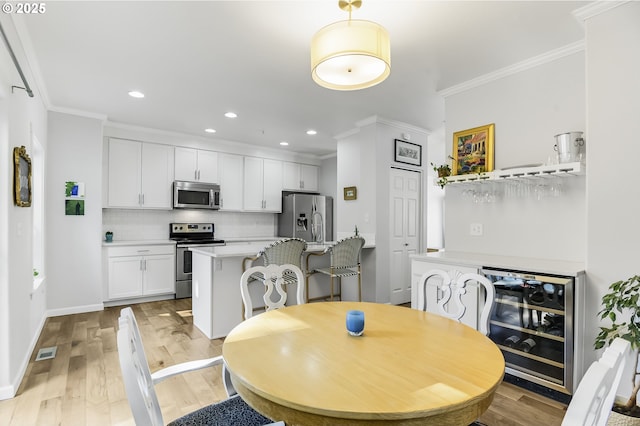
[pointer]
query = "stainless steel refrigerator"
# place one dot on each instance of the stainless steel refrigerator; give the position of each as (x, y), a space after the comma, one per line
(306, 216)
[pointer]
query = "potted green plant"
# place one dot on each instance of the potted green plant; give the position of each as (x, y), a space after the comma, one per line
(620, 306)
(443, 170)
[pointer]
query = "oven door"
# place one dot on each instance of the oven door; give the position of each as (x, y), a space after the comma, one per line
(183, 263)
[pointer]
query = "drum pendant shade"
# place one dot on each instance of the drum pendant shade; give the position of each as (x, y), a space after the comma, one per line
(350, 55)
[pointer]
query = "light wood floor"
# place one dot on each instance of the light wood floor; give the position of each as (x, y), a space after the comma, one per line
(82, 385)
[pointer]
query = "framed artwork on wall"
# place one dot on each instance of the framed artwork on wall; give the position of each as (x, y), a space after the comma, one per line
(21, 177)
(350, 193)
(473, 150)
(407, 152)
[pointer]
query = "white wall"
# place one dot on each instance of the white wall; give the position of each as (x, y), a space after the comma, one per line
(365, 156)
(327, 184)
(74, 242)
(613, 187)
(434, 208)
(21, 313)
(528, 109)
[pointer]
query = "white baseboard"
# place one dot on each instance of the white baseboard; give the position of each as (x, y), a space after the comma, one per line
(75, 310)
(8, 392)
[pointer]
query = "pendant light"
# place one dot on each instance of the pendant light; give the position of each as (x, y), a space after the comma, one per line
(352, 54)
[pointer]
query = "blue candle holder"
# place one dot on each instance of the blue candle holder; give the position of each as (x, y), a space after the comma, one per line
(355, 323)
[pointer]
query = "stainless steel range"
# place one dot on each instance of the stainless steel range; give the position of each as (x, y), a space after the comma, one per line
(189, 235)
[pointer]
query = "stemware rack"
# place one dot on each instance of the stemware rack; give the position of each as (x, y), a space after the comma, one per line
(551, 170)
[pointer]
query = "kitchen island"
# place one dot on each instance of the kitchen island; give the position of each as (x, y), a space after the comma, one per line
(216, 299)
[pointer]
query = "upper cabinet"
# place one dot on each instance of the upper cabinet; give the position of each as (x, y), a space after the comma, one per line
(262, 185)
(140, 175)
(300, 177)
(230, 167)
(196, 165)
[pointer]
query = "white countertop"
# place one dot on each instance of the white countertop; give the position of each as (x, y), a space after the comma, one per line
(254, 248)
(479, 260)
(116, 243)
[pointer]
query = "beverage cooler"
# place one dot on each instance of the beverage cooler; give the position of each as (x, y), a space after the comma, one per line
(532, 324)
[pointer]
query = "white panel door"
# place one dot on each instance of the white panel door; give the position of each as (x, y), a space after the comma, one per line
(405, 202)
(272, 185)
(125, 277)
(309, 177)
(208, 166)
(186, 164)
(253, 184)
(231, 168)
(124, 174)
(157, 176)
(159, 274)
(291, 176)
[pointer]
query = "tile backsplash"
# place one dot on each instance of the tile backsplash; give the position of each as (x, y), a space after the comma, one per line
(154, 224)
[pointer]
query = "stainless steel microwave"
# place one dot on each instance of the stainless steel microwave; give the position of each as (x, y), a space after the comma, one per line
(196, 195)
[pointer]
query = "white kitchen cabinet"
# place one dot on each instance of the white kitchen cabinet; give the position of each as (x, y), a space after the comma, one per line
(140, 175)
(196, 165)
(136, 271)
(471, 298)
(262, 185)
(300, 177)
(231, 169)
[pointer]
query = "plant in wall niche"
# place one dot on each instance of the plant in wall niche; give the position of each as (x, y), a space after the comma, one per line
(620, 306)
(35, 272)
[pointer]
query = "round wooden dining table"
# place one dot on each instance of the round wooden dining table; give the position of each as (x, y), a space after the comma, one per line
(298, 364)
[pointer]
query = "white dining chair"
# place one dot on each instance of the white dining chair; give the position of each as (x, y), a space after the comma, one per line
(274, 278)
(593, 399)
(451, 304)
(140, 385)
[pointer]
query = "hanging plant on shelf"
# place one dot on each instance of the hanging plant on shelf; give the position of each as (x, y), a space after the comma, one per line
(443, 170)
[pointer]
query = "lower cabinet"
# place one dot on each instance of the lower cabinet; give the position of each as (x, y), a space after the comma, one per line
(136, 271)
(471, 298)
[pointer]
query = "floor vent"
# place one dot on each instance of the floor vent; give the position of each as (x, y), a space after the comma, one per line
(46, 353)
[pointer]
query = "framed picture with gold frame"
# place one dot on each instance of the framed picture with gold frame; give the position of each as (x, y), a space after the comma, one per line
(473, 150)
(21, 177)
(350, 193)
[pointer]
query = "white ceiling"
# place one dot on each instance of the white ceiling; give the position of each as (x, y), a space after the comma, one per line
(197, 60)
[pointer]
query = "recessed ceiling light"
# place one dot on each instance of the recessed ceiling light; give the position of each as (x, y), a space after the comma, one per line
(311, 132)
(136, 94)
(210, 130)
(230, 115)
(283, 143)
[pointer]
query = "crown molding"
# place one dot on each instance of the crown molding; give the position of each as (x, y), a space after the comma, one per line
(536, 61)
(80, 113)
(375, 119)
(594, 9)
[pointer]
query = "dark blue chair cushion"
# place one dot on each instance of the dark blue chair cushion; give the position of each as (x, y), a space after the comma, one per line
(231, 412)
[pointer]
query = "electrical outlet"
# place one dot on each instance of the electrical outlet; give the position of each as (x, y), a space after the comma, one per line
(475, 229)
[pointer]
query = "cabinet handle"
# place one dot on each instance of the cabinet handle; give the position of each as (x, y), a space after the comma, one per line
(141, 267)
(195, 174)
(301, 184)
(139, 198)
(198, 174)
(142, 199)
(143, 251)
(221, 202)
(144, 264)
